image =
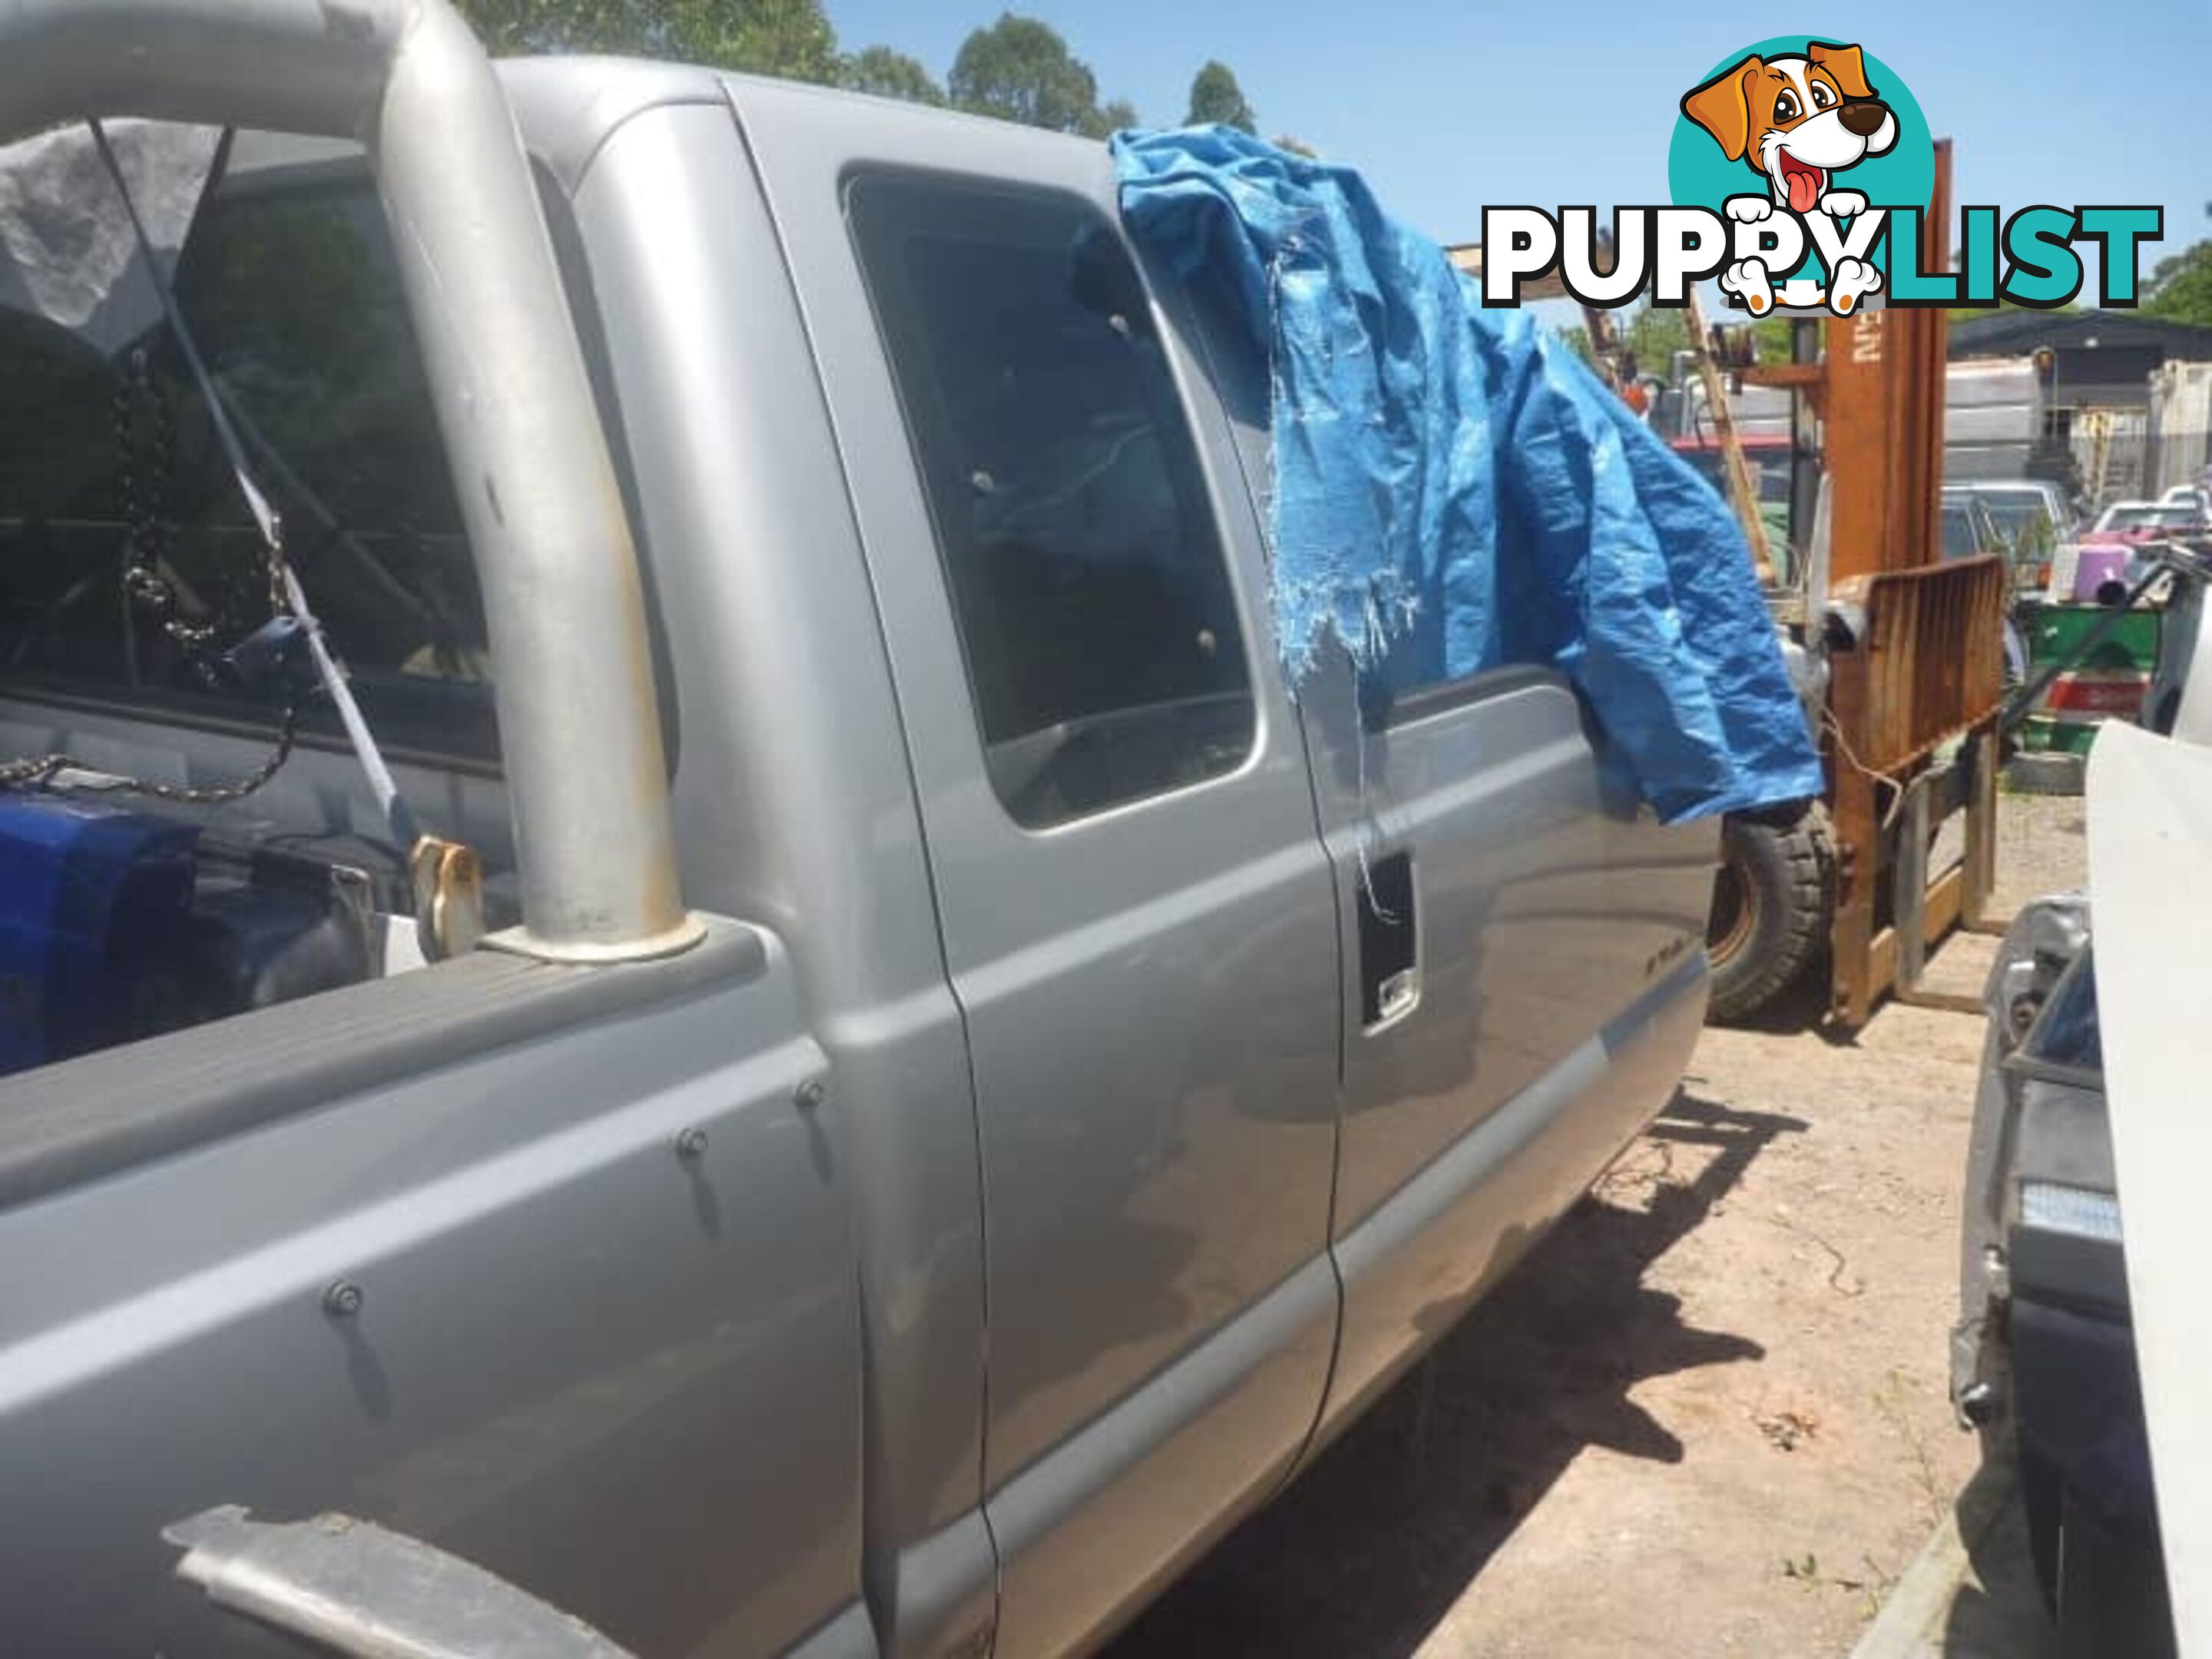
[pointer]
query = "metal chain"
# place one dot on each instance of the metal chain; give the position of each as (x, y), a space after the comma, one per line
(140, 586)
(31, 773)
(148, 476)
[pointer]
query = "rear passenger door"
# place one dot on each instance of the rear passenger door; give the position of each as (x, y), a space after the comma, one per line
(1522, 970)
(1523, 981)
(1136, 913)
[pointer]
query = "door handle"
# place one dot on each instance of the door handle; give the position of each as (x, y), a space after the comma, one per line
(1389, 942)
(1395, 997)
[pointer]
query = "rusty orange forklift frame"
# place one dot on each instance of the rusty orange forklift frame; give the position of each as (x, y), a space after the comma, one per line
(1917, 678)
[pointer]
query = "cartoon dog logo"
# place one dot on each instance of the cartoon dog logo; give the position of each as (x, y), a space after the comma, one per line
(1796, 122)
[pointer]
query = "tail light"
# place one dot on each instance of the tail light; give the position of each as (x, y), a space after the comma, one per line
(2095, 692)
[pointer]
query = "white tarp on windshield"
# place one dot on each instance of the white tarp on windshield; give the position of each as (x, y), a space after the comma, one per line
(67, 254)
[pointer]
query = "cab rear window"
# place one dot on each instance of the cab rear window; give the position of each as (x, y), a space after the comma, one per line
(132, 565)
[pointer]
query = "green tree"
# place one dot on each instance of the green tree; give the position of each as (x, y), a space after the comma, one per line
(1215, 97)
(1656, 334)
(512, 27)
(2180, 287)
(888, 74)
(789, 38)
(1113, 117)
(1020, 70)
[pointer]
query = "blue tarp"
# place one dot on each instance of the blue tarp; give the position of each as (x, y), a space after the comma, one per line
(1454, 489)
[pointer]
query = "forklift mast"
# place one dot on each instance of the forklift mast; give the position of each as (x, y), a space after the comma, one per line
(1915, 646)
(1882, 392)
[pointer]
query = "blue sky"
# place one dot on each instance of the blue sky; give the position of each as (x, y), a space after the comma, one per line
(1446, 106)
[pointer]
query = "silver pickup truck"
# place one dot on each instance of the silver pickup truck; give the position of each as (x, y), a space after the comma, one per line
(967, 1085)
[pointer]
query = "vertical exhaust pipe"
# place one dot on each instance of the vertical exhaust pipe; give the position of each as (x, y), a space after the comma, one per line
(579, 723)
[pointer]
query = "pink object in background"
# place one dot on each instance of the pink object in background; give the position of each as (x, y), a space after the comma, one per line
(2098, 566)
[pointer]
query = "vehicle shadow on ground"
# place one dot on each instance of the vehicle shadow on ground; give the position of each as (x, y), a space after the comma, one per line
(1802, 1007)
(1369, 1550)
(1995, 1610)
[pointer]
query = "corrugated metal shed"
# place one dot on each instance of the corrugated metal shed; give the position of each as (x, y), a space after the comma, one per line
(2102, 359)
(2014, 333)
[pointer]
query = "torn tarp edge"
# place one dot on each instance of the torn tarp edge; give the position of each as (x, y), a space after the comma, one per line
(1452, 491)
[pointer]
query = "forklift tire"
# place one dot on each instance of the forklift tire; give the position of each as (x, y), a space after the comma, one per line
(1773, 897)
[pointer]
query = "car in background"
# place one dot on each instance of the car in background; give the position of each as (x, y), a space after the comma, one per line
(2043, 1357)
(2184, 495)
(2138, 521)
(2134, 525)
(2031, 514)
(1969, 529)
(2015, 502)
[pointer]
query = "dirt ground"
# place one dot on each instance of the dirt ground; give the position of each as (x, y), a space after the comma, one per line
(1708, 1415)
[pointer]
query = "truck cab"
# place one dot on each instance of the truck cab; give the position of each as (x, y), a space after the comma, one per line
(1064, 1077)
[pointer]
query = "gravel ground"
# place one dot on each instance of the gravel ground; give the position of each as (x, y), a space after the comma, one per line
(2041, 848)
(1708, 1415)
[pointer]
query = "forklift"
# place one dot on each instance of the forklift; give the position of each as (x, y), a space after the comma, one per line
(1913, 648)
(1898, 656)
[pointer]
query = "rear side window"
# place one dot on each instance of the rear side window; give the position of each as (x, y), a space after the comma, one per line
(292, 292)
(1094, 608)
(1959, 541)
